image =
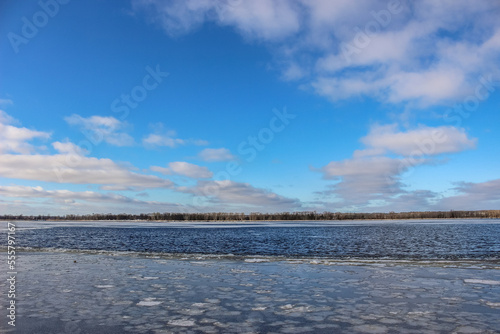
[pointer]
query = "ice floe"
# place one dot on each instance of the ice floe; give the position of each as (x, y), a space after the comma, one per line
(149, 302)
(481, 281)
(182, 322)
(490, 304)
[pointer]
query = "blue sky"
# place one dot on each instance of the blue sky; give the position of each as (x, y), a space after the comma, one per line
(243, 106)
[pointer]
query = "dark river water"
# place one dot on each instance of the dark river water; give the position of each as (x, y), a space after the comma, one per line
(412, 240)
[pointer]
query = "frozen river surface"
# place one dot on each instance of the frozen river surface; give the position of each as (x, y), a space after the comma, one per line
(318, 277)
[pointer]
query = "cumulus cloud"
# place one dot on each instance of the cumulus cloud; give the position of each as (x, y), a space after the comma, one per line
(428, 52)
(231, 192)
(98, 129)
(184, 169)
(373, 176)
(15, 139)
(216, 154)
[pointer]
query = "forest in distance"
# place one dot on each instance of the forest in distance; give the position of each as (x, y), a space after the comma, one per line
(256, 216)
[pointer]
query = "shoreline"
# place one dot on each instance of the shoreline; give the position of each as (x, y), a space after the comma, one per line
(79, 292)
(247, 221)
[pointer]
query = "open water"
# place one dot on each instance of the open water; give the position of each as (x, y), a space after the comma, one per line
(398, 240)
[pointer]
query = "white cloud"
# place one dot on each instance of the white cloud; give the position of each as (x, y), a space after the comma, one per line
(413, 58)
(5, 102)
(74, 202)
(224, 196)
(162, 170)
(230, 192)
(230, 196)
(216, 154)
(68, 148)
(176, 17)
(361, 180)
(421, 141)
(18, 160)
(73, 168)
(428, 52)
(473, 196)
(162, 140)
(64, 195)
(374, 179)
(16, 139)
(430, 86)
(293, 72)
(184, 169)
(371, 166)
(417, 200)
(265, 19)
(168, 138)
(99, 128)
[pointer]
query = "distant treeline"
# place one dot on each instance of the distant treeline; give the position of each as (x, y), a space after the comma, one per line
(255, 216)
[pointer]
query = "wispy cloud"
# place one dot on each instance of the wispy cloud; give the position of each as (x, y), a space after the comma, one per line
(264, 19)
(64, 196)
(184, 169)
(362, 180)
(163, 140)
(76, 202)
(216, 154)
(98, 129)
(473, 196)
(168, 138)
(242, 194)
(6, 102)
(423, 140)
